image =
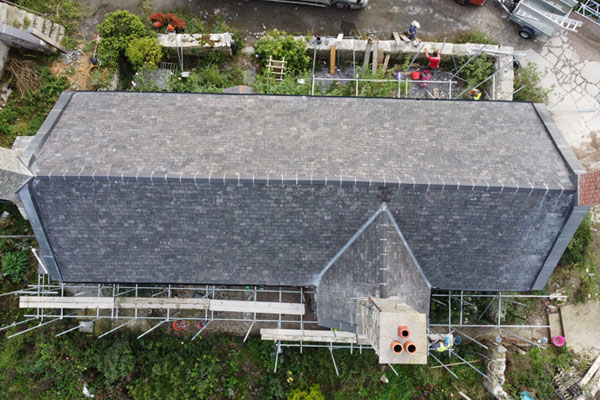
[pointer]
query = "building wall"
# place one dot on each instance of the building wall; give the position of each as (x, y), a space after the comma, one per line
(113, 230)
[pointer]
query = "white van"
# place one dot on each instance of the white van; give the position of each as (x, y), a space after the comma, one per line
(339, 4)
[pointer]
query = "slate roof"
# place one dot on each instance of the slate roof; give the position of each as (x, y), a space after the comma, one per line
(266, 190)
(376, 262)
(299, 137)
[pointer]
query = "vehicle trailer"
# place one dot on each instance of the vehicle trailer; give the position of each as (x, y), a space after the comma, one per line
(338, 4)
(540, 17)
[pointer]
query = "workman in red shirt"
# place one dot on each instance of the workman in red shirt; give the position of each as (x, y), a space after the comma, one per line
(434, 62)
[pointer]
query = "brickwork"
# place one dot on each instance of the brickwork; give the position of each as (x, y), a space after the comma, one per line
(589, 188)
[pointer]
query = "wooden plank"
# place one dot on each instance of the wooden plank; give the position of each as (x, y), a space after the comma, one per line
(162, 303)
(46, 39)
(591, 372)
(594, 385)
(397, 38)
(555, 325)
(367, 56)
(103, 303)
(332, 60)
(260, 307)
(386, 62)
(298, 335)
(375, 55)
(404, 38)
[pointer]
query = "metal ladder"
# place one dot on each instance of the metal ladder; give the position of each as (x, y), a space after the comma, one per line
(564, 22)
(589, 9)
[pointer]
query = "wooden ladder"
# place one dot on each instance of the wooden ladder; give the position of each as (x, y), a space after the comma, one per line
(276, 68)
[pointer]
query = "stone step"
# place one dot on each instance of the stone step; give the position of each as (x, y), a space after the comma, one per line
(11, 15)
(47, 27)
(3, 12)
(54, 32)
(19, 19)
(61, 34)
(38, 23)
(28, 21)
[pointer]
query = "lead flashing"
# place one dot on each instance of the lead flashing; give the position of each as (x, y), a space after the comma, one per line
(39, 231)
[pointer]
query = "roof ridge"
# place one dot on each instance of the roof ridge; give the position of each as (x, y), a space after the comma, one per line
(421, 183)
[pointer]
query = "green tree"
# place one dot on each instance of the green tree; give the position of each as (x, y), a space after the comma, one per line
(144, 51)
(118, 29)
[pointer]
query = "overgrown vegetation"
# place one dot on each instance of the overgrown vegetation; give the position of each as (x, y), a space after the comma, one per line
(520, 373)
(64, 12)
(474, 36)
(281, 46)
(528, 83)
(24, 113)
(577, 272)
(168, 367)
(475, 72)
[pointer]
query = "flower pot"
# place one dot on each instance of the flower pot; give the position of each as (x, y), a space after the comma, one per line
(415, 75)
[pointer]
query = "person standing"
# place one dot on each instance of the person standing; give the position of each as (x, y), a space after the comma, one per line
(412, 30)
(434, 59)
(475, 94)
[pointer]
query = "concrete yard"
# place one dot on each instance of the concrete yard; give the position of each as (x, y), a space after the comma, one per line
(580, 325)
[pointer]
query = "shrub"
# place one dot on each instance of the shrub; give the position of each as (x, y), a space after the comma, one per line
(474, 36)
(144, 51)
(116, 362)
(99, 78)
(177, 22)
(478, 70)
(279, 45)
(578, 248)
(148, 79)
(266, 84)
(210, 79)
(307, 393)
(529, 78)
(14, 265)
(116, 31)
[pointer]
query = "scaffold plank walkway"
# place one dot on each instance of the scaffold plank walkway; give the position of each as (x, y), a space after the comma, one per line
(160, 303)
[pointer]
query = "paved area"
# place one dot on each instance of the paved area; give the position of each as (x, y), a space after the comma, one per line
(573, 74)
(570, 62)
(580, 324)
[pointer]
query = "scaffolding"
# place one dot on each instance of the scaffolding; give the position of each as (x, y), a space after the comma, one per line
(404, 83)
(278, 308)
